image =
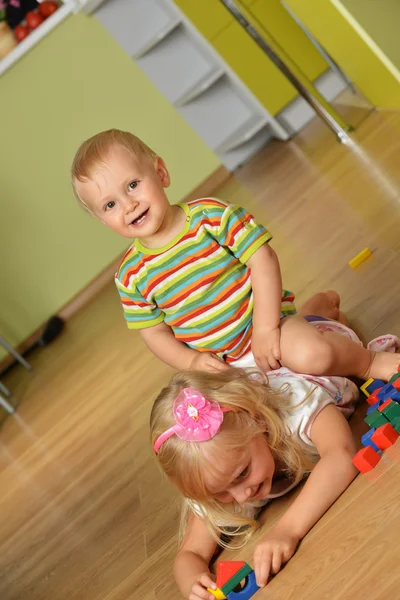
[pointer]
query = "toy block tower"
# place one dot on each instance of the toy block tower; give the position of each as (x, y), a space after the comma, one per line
(229, 576)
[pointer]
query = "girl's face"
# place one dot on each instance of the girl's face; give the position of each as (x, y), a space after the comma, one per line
(244, 475)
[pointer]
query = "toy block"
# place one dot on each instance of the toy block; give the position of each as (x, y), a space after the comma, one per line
(366, 440)
(359, 258)
(395, 378)
(218, 594)
(227, 569)
(373, 398)
(371, 385)
(396, 384)
(385, 436)
(390, 409)
(366, 459)
(236, 579)
(247, 591)
(387, 392)
(396, 424)
(376, 419)
(371, 409)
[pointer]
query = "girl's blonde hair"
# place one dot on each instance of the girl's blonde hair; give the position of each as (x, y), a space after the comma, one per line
(93, 152)
(255, 409)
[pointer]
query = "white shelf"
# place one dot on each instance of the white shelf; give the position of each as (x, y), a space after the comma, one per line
(157, 39)
(243, 134)
(200, 87)
(35, 36)
(192, 76)
(177, 65)
(137, 25)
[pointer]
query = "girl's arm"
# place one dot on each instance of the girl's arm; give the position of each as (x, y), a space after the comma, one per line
(191, 566)
(332, 474)
(266, 282)
(161, 341)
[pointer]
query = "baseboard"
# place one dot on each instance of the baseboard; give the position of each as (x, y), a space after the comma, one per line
(91, 290)
(298, 113)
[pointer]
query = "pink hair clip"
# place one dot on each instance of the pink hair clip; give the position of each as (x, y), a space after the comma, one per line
(197, 419)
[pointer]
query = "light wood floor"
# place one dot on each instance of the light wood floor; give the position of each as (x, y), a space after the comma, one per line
(84, 512)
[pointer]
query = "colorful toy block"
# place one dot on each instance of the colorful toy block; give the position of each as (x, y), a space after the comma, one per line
(390, 409)
(396, 424)
(373, 398)
(388, 391)
(228, 569)
(371, 385)
(359, 258)
(218, 594)
(376, 419)
(385, 436)
(366, 459)
(229, 575)
(236, 579)
(249, 589)
(395, 379)
(366, 440)
(375, 406)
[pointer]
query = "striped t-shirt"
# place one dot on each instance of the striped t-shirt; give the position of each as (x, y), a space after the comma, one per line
(199, 283)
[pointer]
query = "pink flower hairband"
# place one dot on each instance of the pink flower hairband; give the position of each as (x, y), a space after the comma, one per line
(197, 419)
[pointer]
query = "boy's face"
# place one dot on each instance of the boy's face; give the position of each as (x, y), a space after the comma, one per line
(127, 194)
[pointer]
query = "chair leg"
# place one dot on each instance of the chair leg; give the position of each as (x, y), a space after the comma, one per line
(15, 354)
(4, 390)
(6, 405)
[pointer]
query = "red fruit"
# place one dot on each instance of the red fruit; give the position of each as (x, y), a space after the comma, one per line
(47, 8)
(33, 19)
(21, 32)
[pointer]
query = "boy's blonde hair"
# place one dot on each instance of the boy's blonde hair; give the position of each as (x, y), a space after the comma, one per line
(93, 152)
(256, 409)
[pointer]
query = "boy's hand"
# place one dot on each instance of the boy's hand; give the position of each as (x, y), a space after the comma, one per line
(266, 348)
(199, 588)
(272, 552)
(207, 361)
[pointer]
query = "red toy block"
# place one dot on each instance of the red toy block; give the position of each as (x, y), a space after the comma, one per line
(366, 459)
(385, 436)
(226, 569)
(385, 404)
(396, 384)
(373, 398)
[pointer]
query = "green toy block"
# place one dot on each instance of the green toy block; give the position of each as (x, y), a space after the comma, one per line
(236, 579)
(376, 419)
(392, 411)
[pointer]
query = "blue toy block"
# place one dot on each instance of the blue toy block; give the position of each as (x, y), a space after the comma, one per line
(247, 591)
(388, 391)
(366, 439)
(374, 407)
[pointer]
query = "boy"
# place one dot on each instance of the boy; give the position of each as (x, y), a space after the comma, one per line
(200, 281)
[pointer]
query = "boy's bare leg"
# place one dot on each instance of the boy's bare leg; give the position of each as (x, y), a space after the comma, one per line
(306, 350)
(325, 304)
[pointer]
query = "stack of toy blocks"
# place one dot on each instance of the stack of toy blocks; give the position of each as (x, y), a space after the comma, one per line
(383, 417)
(229, 576)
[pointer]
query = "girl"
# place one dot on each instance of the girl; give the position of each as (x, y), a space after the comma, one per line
(233, 440)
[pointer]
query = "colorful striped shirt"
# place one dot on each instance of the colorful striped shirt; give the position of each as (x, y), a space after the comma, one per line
(199, 283)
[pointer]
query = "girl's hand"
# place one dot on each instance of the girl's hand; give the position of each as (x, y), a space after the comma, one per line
(272, 552)
(199, 588)
(207, 361)
(266, 348)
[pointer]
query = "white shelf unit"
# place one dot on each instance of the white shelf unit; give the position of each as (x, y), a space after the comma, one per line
(192, 76)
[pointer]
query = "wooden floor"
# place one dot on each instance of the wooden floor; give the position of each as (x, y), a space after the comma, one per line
(84, 512)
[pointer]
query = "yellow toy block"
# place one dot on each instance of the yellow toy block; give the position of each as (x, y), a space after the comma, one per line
(363, 388)
(361, 256)
(219, 594)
